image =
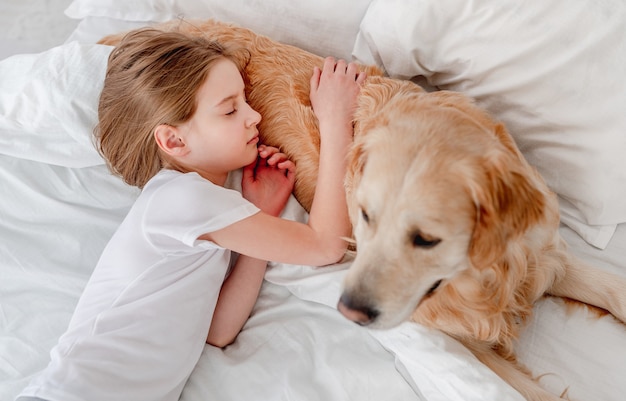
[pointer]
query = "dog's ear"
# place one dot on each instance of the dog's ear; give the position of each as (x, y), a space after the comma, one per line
(508, 202)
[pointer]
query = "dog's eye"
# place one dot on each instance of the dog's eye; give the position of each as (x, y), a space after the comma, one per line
(434, 287)
(364, 215)
(421, 241)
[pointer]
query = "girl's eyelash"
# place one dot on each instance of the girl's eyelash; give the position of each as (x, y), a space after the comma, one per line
(230, 113)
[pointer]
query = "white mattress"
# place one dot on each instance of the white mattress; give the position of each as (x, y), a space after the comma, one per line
(58, 214)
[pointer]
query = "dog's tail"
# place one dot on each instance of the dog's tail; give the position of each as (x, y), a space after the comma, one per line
(513, 373)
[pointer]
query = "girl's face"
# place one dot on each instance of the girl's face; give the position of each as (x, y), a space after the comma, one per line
(222, 135)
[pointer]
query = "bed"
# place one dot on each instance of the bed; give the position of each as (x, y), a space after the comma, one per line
(552, 71)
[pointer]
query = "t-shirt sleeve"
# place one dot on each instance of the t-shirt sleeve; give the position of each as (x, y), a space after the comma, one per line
(189, 206)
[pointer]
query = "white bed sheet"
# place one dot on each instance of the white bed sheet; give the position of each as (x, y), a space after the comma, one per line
(56, 220)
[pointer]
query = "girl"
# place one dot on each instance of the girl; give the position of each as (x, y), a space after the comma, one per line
(174, 121)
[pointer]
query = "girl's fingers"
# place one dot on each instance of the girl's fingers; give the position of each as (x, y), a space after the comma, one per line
(352, 69)
(329, 65)
(315, 78)
(248, 171)
(289, 170)
(360, 77)
(341, 66)
(263, 151)
(266, 151)
(287, 165)
(276, 158)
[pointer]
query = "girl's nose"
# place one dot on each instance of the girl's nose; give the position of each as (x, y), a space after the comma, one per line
(254, 116)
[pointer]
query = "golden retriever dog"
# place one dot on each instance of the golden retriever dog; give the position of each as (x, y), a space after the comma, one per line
(454, 229)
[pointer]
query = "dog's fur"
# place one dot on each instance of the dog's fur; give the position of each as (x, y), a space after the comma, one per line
(454, 230)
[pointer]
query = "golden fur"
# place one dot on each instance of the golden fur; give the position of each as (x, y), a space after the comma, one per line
(454, 229)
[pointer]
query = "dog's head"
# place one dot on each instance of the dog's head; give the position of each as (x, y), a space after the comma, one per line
(436, 188)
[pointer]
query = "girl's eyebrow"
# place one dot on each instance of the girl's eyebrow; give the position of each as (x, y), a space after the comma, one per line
(225, 100)
(230, 98)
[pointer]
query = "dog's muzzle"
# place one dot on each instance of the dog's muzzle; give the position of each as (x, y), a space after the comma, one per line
(358, 312)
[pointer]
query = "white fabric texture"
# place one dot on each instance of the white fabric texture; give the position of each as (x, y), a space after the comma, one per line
(547, 69)
(92, 29)
(150, 299)
(32, 26)
(325, 27)
(49, 104)
(56, 221)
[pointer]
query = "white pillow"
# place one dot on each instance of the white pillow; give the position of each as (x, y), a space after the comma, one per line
(49, 104)
(552, 70)
(323, 27)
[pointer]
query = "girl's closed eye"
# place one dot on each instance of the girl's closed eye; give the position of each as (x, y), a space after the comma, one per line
(230, 113)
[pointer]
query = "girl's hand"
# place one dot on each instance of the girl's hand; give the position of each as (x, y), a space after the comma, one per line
(269, 181)
(334, 92)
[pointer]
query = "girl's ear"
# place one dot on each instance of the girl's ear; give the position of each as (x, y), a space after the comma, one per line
(168, 139)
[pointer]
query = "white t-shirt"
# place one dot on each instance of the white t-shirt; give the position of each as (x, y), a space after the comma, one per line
(141, 323)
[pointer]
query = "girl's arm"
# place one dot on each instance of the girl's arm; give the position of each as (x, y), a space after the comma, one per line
(333, 95)
(268, 184)
(319, 242)
(236, 300)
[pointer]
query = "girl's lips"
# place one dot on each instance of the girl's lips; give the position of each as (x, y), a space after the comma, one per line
(254, 140)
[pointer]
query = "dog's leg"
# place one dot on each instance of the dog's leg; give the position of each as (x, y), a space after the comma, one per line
(592, 286)
(513, 373)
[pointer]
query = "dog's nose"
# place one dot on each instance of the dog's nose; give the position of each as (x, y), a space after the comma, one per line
(355, 311)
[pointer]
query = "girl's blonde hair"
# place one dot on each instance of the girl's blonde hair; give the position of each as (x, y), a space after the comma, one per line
(152, 78)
